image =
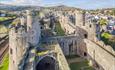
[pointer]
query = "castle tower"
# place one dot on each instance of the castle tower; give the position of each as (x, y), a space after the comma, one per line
(17, 45)
(33, 28)
(22, 20)
(29, 20)
(79, 20)
(22, 36)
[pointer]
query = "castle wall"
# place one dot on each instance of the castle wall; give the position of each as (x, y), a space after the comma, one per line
(22, 36)
(65, 25)
(101, 56)
(18, 45)
(34, 33)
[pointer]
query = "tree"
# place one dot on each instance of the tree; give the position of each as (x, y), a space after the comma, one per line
(102, 21)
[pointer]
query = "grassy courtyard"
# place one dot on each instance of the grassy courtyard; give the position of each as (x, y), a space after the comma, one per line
(4, 65)
(59, 30)
(78, 63)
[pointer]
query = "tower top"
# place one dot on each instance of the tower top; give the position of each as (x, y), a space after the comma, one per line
(28, 12)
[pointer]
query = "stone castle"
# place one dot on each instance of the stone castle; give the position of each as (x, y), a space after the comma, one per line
(28, 52)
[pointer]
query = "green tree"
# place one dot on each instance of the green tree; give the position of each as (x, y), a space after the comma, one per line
(102, 21)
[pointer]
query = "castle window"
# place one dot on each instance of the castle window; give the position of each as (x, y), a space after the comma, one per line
(85, 35)
(10, 51)
(83, 23)
(85, 54)
(32, 38)
(90, 25)
(13, 62)
(71, 47)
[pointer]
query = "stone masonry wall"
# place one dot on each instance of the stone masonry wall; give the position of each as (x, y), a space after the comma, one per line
(101, 56)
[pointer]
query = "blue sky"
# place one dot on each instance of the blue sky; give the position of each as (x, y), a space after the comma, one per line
(85, 4)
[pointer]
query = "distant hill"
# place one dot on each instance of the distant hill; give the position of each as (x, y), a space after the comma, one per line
(63, 7)
(16, 8)
(60, 7)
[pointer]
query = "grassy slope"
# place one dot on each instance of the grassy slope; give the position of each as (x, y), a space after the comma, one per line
(4, 65)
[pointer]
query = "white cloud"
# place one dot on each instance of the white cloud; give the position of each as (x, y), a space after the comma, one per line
(23, 2)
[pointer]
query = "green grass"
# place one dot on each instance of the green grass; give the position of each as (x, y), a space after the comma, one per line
(59, 30)
(108, 39)
(4, 18)
(106, 35)
(89, 68)
(79, 65)
(71, 56)
(4, 65)
(3, 29)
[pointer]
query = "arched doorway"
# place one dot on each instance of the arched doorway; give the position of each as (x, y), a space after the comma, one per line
(47, 63)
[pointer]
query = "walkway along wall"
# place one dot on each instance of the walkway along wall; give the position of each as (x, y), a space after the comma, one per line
(102, 57)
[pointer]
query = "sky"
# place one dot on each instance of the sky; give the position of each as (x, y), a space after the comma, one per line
(84, 4)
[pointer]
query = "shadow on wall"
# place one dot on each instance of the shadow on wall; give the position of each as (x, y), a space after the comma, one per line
(47, 63)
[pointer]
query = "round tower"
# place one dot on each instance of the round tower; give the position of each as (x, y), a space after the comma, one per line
(17, 46)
